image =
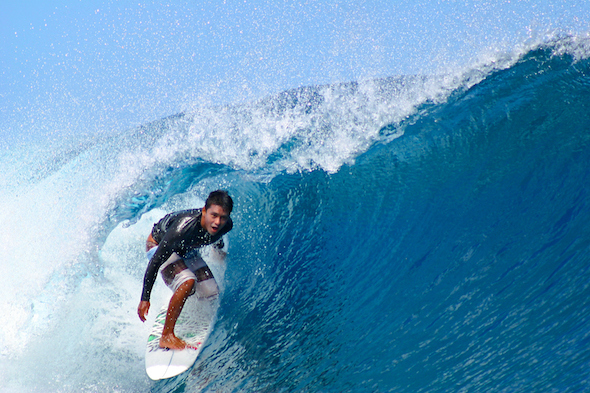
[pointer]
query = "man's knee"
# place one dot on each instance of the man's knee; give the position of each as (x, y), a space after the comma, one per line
(203, 274)
(186, 286)
(150, 243)
(184, 278)
(206, 286)
(206, 289)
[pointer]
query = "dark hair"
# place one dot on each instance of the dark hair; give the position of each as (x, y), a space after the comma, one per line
(220, 198)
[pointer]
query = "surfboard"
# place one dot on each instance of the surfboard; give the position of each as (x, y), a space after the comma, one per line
(193, 326)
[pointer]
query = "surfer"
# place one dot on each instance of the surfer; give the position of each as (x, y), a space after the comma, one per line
(173, 249)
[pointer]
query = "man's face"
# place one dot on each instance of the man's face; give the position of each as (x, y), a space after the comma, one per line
(214, 219)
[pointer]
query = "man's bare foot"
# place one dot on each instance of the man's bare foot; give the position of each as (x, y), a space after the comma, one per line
(172, 342)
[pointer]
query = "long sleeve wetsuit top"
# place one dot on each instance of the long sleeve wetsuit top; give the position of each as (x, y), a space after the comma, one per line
(179, 232)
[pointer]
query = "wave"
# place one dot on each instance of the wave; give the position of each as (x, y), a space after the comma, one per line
(418, 233)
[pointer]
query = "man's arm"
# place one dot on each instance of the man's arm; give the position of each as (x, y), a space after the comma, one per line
(149, 278)
(151, 274)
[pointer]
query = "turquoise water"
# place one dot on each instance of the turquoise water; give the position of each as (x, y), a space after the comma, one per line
(411, 234)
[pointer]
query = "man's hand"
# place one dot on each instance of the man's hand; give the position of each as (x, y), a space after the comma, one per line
(143, 309)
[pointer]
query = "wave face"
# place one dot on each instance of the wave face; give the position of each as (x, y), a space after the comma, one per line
(407, 234)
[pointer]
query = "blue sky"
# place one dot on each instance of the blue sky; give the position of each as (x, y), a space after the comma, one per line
(73, 66)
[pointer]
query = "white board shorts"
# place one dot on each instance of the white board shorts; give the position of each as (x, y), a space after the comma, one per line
(176, 271)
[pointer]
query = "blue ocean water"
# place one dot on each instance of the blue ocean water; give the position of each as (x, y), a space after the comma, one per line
(406, 234)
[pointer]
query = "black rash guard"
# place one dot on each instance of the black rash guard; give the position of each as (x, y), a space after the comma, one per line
(180, 233)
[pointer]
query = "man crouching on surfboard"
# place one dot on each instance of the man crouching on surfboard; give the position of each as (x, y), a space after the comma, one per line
(172, 249)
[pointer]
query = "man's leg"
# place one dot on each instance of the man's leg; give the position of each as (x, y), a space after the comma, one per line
(181, 280)
(168, 339)
(206, 286)
(150, 243)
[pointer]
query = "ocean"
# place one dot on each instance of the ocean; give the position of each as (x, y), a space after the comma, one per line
(420, 233)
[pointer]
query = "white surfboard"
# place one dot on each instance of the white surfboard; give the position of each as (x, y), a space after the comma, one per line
(193, 326)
